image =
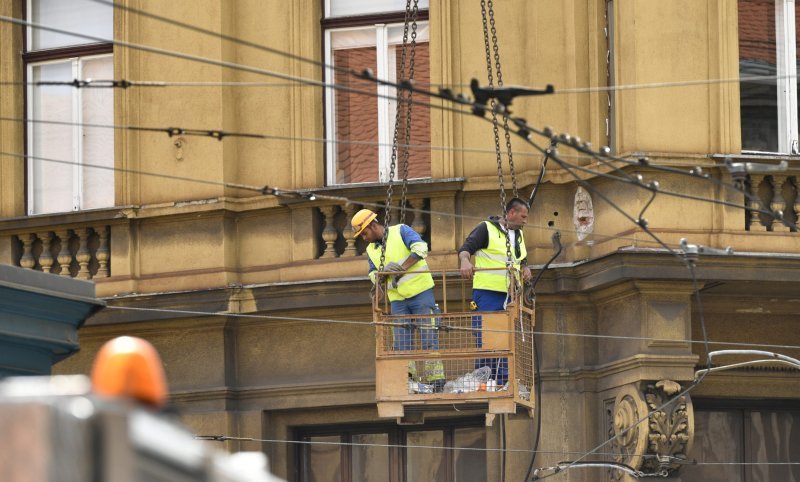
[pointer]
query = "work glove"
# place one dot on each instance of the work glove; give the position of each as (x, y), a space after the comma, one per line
(393, 267)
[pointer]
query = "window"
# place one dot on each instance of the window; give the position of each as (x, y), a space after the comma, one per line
(768, 47)
(359, 34)
(749, 438)
(368, 456)
(54, 187)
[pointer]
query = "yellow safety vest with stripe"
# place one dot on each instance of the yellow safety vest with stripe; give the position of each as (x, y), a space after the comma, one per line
(413, 282)
(494, 257)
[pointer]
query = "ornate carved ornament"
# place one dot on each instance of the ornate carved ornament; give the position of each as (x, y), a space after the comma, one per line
(658, 444)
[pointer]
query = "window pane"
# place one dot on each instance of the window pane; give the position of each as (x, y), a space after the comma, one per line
(425, 464)
(757, 53)
(470, 464)
(419, 158)
(774, 437)
(52, 182)
(84, 16)
(717, 438)
(356, 115)
(797, 52)
(98, 143)
(361, 7)
(323, 463)
(371, 464)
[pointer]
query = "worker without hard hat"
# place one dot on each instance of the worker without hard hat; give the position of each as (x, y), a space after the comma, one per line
(361, 220)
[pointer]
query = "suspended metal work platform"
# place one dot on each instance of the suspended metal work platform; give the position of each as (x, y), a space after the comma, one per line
(457, 359)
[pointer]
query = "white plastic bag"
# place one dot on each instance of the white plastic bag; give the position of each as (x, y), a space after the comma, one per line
(470, 382)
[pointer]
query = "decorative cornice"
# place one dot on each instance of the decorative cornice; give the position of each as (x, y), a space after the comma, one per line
(283, 397)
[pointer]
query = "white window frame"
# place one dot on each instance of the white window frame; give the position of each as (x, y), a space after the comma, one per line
(786, 82)
(77, 132)
(386, 106)
(786, 60)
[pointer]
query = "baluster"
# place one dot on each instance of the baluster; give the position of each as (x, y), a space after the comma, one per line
(329, 234)
(46, 258)
(64, 256)
(796, 205)
(347, 232)
(83, 256)
(103, 253)
(778, 203)
(418, 224)
(27, 260)
(755, 220)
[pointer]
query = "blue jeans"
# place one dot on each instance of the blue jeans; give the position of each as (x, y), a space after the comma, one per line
(421, 304)
(488, 300)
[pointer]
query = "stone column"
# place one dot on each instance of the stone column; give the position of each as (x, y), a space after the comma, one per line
(46, 258)
(329, 234)
(64, 256)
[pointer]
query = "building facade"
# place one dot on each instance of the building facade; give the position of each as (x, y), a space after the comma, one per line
(170, 225)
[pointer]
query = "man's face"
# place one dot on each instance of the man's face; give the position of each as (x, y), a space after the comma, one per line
(517, 217)
(370, 233)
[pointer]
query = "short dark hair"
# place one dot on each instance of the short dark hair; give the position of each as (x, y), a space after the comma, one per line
(514, 202)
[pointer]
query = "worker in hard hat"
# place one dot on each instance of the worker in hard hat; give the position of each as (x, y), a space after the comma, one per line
(491, 283)
(410, 291)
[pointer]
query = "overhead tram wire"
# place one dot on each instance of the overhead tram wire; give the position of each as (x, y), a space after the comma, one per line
(365, 75)
(222, 36)
(280, 192)
(655, 238)
(320, 140)
(220, 134)
(225, 64)
(682, 258)
(311, 61)
(524, 131)
(444, 94)
(104, 83)
(687, 389)
(465, 329)
(689, 264)
(224, 438)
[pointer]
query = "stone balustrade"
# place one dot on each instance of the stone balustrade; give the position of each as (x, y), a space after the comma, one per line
(335, 235)
(82, 252)
(777, 193)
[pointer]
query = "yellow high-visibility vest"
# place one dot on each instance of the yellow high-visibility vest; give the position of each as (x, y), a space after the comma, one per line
(415, 281)
(494, 257)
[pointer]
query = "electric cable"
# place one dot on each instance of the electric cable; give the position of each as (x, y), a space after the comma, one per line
(174, 131)
(366, 75)
(280, 192)
(109, 83)
(574, 90)
(225, 438)
(694, 279)
(371, 323)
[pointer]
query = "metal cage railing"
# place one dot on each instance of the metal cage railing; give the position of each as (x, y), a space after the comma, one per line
(454, 355)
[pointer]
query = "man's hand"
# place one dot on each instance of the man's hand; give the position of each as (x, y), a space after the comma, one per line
(392, 267)
(377, 291)
(467, 270)
(526, 274)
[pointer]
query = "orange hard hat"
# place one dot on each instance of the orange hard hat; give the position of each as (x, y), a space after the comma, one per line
(361, 220)
(129, 367)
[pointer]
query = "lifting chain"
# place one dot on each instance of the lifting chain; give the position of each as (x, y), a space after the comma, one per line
(409, 105)
(509, 258)
(499, 73)
(412, 10)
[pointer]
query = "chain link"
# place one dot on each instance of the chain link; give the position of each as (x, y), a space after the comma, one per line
(509, 259)
(409, 105)
(393, 162)
(496, 49)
